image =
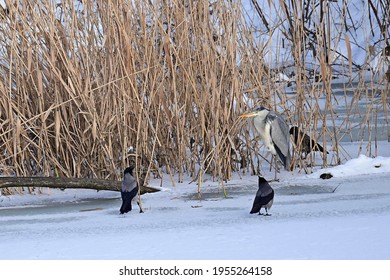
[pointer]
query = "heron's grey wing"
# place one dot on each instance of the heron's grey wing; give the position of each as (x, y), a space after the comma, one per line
(279, 132)
(280, 135)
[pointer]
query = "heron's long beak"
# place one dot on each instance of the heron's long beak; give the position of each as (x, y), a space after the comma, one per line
(247, 115)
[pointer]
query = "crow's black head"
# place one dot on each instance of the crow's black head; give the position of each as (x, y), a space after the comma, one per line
(294, 130)
(262, 180)
(129, 170)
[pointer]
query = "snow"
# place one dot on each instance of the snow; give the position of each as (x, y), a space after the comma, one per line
(362, 165)
(345, 217)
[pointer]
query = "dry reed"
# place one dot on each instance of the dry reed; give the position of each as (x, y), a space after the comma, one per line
(82, 82)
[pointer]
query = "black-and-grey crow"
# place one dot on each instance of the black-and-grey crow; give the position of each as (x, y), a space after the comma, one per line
(306, 143)
(128, 191)
(264, 197)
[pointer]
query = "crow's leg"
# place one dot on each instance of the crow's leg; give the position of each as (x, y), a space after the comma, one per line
(266, 212)
(140, 208)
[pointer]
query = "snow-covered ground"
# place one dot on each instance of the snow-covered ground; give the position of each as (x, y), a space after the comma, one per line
(345, 217)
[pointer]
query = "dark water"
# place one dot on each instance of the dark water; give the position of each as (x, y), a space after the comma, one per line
(280, 189)
(85, 205)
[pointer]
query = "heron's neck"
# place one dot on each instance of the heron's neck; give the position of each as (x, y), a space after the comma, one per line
(259, 122)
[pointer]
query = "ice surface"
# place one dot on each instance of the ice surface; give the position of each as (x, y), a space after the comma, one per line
(346, 217)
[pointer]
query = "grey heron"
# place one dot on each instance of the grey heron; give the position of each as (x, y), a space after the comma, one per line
(306, 143)
(129, 190)
(264, 197)
(274, 132)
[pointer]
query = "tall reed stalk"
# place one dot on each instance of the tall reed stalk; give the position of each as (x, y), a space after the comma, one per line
(83, 81)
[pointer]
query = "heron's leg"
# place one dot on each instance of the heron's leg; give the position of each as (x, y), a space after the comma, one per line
(276, 167)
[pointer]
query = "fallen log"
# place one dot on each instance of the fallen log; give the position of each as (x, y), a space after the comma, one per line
(67, 183)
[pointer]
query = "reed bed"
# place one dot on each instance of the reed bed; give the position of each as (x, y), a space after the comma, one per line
(89, 87)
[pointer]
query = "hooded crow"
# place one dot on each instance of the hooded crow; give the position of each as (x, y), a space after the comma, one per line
(307, 144)
(264, 197)
(128, 191)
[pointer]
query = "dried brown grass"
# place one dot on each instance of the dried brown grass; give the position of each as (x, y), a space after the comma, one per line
(78, 88)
